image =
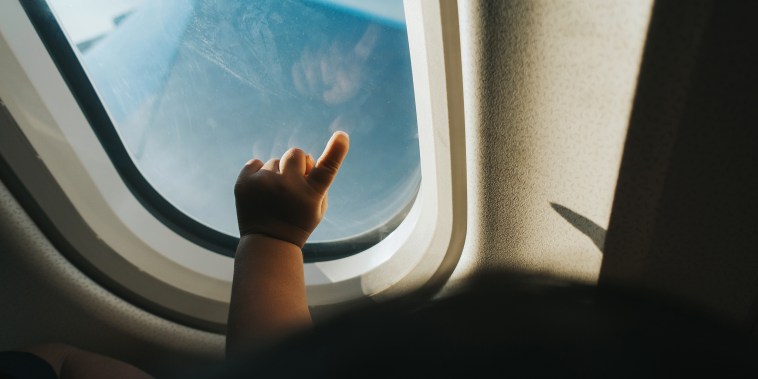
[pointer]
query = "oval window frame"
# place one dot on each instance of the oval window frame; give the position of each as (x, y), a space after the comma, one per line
(136, 255)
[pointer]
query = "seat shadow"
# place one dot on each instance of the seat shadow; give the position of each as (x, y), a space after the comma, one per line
(589, 228)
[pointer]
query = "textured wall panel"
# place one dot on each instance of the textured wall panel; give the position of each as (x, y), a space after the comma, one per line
(549, 87)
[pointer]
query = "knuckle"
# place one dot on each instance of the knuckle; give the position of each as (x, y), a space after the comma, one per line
(250, 167)
(295, 152)
(330, 166)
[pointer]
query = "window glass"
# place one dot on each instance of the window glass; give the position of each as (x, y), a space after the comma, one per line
(195, 88)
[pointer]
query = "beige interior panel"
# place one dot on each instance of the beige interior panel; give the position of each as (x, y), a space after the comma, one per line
(549, 87)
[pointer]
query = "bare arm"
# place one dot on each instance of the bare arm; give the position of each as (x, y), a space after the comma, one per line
(268, 293)
(279, 204)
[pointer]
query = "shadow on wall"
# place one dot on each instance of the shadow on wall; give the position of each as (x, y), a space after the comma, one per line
(583, 224)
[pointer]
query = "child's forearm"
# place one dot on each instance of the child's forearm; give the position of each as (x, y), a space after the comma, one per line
(268, 293)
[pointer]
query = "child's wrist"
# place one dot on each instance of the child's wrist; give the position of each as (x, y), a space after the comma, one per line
(278, 230)
(261, 238)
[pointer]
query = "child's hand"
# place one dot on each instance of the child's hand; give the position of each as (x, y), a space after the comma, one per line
(278, 206)
(286, 199)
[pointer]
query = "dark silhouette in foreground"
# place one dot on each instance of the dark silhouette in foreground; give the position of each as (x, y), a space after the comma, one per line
(505, 324)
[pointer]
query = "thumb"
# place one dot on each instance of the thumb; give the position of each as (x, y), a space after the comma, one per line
(323, 173)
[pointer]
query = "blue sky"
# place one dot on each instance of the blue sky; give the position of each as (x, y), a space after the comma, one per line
(196, 88)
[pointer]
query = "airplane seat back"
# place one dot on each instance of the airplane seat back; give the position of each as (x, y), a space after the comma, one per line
(683, 222)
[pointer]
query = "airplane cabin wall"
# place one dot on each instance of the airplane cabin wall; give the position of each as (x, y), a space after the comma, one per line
(548, 90)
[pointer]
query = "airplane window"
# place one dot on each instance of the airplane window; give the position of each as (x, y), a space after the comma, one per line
(194, 88)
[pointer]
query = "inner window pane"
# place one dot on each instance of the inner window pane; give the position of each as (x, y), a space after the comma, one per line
(195, 88)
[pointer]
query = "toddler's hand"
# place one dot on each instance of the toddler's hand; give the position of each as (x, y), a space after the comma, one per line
(286, 199)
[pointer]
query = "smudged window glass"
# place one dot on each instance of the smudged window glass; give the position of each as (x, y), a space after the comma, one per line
(195, 88)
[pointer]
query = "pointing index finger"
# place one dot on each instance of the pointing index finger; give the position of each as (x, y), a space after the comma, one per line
(323, 173)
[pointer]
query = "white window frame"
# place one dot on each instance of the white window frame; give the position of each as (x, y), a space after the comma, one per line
(421, 251)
